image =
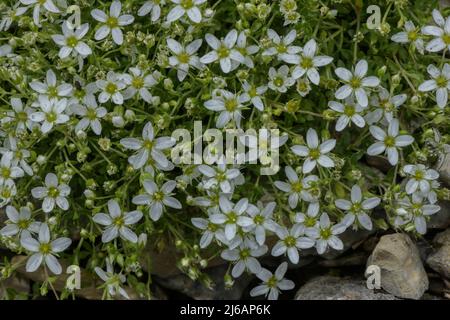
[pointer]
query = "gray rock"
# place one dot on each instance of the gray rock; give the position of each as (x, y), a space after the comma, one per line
(335, 288)
(443, 167)
(439, 261)
(402, 272)
(351, 239)
(198, 291)
(441, 219)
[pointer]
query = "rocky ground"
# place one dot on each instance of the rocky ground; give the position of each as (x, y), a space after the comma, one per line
(410, 269)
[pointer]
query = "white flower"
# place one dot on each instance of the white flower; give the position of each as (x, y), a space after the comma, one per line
(91, 115)
(279, 80)
(111, 88)
(420, 178)
(309, 63)
(20, 222)
(326, 233)
(357, 208)
(70, 41)
(223, 50)
(350, 112)
(153, 6)
(254, 94)
(210, 230)
(310, 219)
(303, 87)
(219, 176)
(229, 105)
(52, 113)
(148, 147)
(112, 280)
(244, 258)
(388, 141)
(386, 105)
(139, 83)
(47, 4)
(314, 152)
(272, 283)
(44, 250)
(157, 198)
(184, 56)
(50, 88)
(440, 83)
(282, 47)
(112, 22)
(186, 7)
(245, 50)
(7, 191)
(231, 216)
(52, 193)
(356, 83)
(117, 223)
(262, 220)
(19, 114)
(414, 210)
(291, 241)
(296, 188)
(11, 15)
(20, 155)
(8, 169)
(441, 32)
(411, 34)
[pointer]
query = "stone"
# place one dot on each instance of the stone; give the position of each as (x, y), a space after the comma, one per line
(378, 162)
(336, 288)
(89, 284)
(441, 219)
(351, 239)
(439, 260)
(198, 291)
(402, 271)
(14, 287)
(164, 262)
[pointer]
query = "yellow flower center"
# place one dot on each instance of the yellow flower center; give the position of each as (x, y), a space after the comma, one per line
(45, 248)
(349, 110)
(119, 221)
(137, 82)
(6, 172)
(306, 63)
(389, 141)
(325, 233)
(51, 116)
(53, 192)
(223, 52)
(290, 241)
(187, 4)
(111, 88)
(112, 22)
(183, 57)
(355, 82)
(231, 105)
(72, 41)
(446, 39)
(297, 187)
(278, 81)
(441, 81)
(314, 153)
